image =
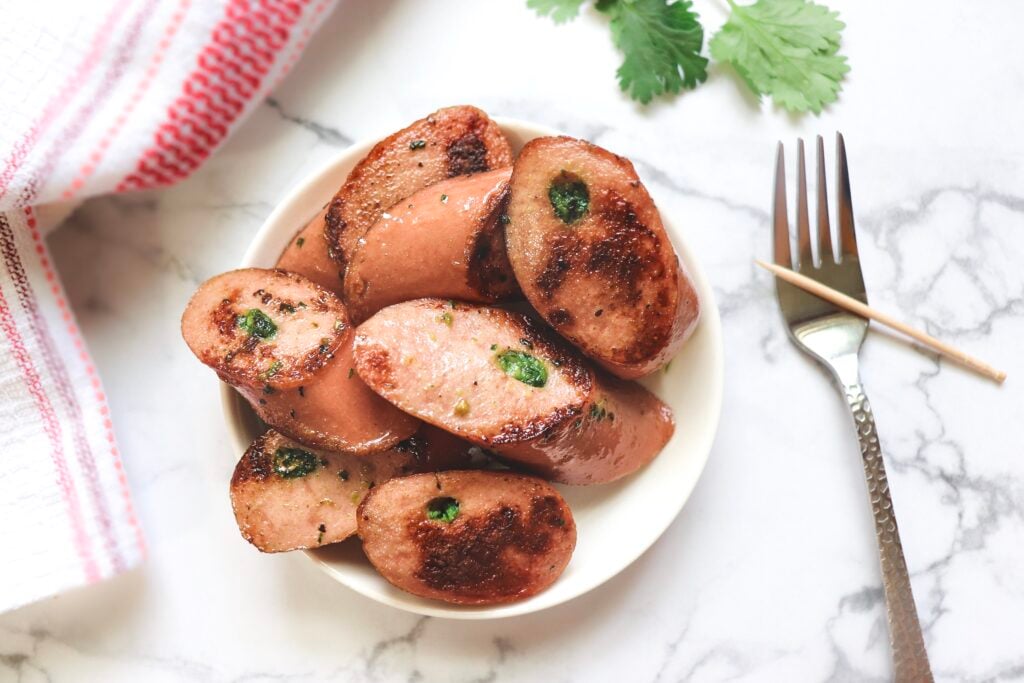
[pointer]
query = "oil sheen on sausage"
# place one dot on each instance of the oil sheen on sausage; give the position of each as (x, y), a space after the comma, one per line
(501, 381)
(307, 255)
(334, 410)
(590, 252)
(468, 537)
(264, 328)
(449, 241)
(287, 496)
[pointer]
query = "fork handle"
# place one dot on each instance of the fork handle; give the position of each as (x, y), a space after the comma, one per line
(910, 659)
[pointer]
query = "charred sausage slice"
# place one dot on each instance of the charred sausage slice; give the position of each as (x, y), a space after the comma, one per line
(450, 142)
(440, 361)
(446, 241)
(307, 255)
(623, 428)
(499, 380)
(468, 537)
(264, 329)
(287, 496)
(334, 410)
(588, 247)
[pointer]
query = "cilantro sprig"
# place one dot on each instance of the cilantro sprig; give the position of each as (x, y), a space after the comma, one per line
(786, 49)
(661, 43)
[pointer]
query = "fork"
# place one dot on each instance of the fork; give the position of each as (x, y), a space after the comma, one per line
(833, 337)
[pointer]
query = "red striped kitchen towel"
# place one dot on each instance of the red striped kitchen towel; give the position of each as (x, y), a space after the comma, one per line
(99, 96)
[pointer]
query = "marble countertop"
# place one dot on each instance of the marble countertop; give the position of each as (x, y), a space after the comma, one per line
(770, 572)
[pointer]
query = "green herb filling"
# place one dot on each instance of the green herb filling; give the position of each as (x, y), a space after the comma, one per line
(256, 323)
(569, 197)
(293, 463)
(443, 509)
(524, 367)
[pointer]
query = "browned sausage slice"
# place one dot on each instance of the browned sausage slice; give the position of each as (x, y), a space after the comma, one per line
(287, 496)
(264, 328)
(499, 380)
(588, 247)
(446, 241)
(440, 362)
(623, 428)
(334, 410)
(307, 255)
(468, 537)
(451, 142)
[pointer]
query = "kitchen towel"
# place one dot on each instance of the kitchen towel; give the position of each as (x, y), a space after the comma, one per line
(95, 97)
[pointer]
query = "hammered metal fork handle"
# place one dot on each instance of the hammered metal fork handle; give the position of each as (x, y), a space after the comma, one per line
(910, 660)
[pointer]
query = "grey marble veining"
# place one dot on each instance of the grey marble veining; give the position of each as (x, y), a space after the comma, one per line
(769, 573)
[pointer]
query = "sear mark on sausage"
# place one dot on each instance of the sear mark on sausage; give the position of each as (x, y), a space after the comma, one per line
(511, 535)
(469, 557)
(255, 464)
(560, 317)
(334, 226)
(628, 254)
(625, 254)
(468, 152)
(489, 271)
(375, 368)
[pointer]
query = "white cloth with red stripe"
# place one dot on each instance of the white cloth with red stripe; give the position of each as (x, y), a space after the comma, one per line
(95, 97)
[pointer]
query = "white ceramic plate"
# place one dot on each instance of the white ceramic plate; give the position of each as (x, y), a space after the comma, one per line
(609, 540)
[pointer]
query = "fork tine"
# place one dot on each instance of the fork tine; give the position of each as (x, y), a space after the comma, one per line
(803, 228)
(844, 202)
(780, 220)
(825, 252)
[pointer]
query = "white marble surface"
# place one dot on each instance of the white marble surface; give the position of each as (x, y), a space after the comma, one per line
(770, 572)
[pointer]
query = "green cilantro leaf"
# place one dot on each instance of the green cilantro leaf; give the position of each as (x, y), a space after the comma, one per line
(560, 11)
(787, 49)
(661, 42)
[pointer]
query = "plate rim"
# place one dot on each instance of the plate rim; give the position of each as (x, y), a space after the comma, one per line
(710, 318)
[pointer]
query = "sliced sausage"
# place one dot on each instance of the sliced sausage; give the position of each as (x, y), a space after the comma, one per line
(450, 142)
(264, 328)
(622, 429)
(307, 255)
(334, 410)
(497, 379)
(287, 496)
(468, 537)
(588, 247)
(446, 241)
